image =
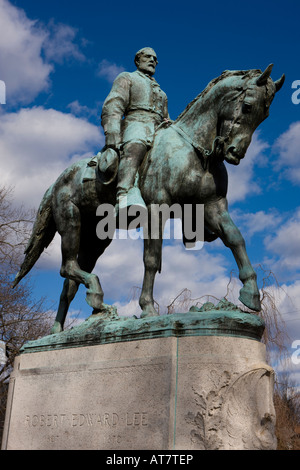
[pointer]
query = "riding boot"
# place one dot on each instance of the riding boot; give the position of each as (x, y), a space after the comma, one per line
(128, 193)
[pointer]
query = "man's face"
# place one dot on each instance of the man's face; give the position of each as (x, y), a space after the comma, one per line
(147, 62)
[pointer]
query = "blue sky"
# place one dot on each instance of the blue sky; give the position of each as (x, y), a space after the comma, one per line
(58, 60)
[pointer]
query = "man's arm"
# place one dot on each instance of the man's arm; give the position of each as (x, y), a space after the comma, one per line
(114, 108)
(166, 115)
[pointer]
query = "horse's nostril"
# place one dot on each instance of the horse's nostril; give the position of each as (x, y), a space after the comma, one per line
(231, 150)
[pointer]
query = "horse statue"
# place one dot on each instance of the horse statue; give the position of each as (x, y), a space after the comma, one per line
(185, 165)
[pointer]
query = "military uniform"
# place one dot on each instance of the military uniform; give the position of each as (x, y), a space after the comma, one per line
(131, 113)
(138, 99)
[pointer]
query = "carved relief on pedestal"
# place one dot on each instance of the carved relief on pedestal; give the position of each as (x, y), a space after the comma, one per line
(236, 413)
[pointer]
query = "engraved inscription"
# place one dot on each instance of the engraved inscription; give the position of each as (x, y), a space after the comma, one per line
(108, 420)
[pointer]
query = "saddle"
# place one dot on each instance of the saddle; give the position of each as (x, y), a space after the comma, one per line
(105, 164)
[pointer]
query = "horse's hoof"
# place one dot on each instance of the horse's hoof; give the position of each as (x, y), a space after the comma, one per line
(108, 312)
(56, 328)
(149, 313)
(94, 300)
(250, 299)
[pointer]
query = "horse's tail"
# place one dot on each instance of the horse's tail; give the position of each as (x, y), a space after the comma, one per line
(42, 234)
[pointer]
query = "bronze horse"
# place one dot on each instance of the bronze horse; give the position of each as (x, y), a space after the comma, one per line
(185, 165)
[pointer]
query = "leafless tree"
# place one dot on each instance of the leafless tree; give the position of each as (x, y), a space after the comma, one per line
(22, 317)
(287, 405)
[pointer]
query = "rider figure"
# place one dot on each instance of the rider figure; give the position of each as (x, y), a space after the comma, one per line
(132, 111)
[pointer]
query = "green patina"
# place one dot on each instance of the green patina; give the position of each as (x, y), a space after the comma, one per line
(225, 319)
(182, 162)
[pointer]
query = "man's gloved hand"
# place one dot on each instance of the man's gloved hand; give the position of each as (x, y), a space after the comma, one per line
(113, 141)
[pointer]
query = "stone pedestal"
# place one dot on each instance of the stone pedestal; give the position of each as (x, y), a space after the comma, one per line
(182, 381)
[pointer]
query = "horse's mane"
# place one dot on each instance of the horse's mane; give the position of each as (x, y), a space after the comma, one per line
(227, 73)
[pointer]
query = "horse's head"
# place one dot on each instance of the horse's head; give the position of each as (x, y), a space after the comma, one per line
(244, 105)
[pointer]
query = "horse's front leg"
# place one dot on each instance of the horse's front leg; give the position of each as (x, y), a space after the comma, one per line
(152, 264)
(219, 221)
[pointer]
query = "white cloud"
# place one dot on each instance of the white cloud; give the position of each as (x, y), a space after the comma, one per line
(37, 144)
(256, 222)
(128, 309)
(288, 148)
(50, 259)
(285, 244)
(109, 70)
(287, 300)
(81, 110)
(28, 50)
(60, 43)
(241, 181)
(22, 68)
(120, 268)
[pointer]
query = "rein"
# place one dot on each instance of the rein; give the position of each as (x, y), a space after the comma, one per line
(205, 153)
(218, 141)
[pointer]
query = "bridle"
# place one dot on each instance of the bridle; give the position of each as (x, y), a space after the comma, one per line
(219, 140)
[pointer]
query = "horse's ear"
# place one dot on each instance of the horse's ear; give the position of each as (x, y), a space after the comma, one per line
(279, 83)
(262, 79)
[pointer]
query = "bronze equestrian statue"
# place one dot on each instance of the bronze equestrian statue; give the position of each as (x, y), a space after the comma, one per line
(184, 165)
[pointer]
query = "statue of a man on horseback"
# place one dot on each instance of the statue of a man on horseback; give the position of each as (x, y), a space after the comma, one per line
(132, 111)
(185, 166)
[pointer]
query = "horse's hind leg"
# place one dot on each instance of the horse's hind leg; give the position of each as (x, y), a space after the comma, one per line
(70, 288)
(69, 227)
(88, 255)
